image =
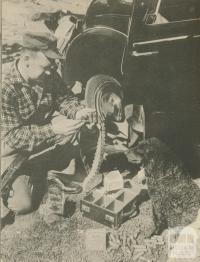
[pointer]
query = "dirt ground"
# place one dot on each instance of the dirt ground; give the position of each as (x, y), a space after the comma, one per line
(30, 238)
(16, 13)
(16, 19)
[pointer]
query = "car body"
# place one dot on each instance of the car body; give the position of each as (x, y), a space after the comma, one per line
(101, 37)
(153, 48)
(161, 70)
(113, 13)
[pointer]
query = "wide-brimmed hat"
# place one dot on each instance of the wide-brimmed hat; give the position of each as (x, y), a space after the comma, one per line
(44, 42)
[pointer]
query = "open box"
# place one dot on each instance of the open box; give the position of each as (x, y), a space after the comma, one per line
(108, 209)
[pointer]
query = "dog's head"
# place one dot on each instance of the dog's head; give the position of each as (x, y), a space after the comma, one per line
(146, 152)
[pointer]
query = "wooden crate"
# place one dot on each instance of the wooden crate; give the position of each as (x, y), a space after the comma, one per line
(108, 209)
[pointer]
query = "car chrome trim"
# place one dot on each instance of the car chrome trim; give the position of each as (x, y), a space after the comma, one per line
(135, 53)
(161, 40)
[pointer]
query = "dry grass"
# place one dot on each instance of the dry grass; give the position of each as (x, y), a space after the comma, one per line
(31, 239)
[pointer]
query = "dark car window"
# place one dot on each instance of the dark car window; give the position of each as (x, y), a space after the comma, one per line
(173, 11)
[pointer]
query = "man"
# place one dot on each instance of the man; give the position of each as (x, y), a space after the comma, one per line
(32, 91)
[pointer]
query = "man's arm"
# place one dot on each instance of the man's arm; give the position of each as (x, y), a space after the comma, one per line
(68, 104)
(15, 133)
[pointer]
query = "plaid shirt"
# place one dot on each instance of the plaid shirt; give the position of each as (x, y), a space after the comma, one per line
(27, 110)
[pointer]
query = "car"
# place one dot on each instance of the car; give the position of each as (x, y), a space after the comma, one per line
(161, 71)
(153, 48)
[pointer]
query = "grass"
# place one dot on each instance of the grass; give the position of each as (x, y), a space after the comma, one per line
(30, 238)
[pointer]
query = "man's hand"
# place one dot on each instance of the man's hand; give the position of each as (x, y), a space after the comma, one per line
(67, 127)
(87, 114)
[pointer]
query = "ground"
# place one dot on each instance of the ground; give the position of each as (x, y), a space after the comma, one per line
(31, 238)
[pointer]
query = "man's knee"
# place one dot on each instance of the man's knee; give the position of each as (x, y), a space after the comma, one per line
(23, 207)
(21, 199)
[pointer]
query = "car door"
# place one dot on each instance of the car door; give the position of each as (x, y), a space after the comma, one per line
(161, 67)
(163, 56)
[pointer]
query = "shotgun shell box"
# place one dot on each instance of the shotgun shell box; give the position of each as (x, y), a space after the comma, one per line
(109, 209)
(113, 181)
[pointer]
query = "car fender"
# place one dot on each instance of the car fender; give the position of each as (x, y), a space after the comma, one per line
(97, 50)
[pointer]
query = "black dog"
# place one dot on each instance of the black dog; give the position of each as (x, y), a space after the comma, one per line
(175, 197)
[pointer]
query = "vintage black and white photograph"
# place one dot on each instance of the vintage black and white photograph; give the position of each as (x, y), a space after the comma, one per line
(100, 131)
